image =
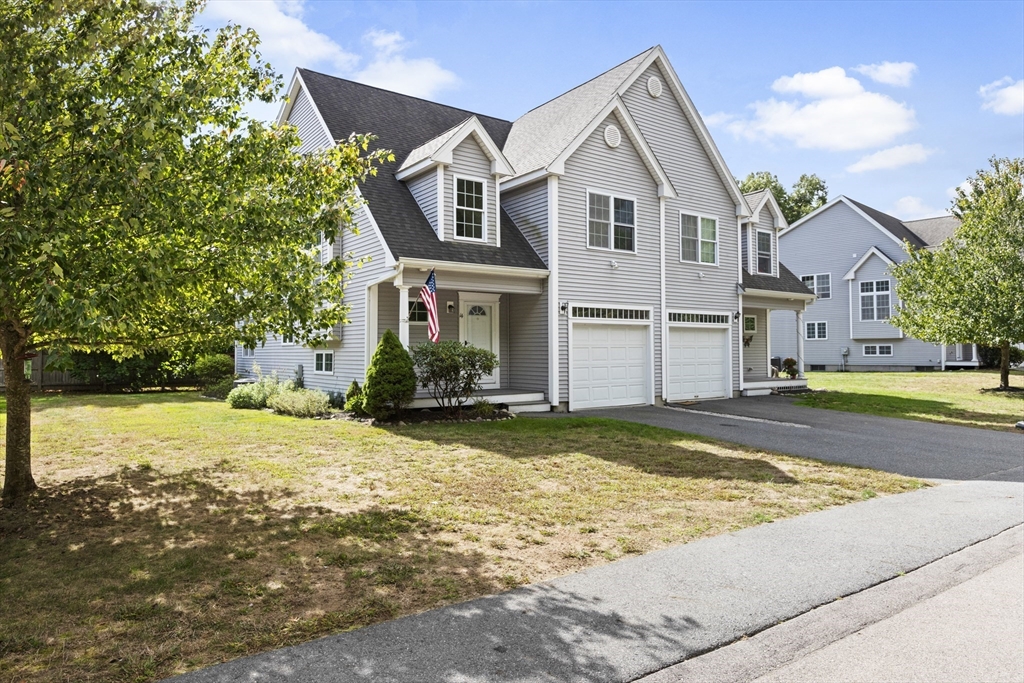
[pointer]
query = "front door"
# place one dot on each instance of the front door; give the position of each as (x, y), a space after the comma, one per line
(479, 327)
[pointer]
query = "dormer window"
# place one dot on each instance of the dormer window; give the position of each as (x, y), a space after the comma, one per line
(764, 252)
(470, 214)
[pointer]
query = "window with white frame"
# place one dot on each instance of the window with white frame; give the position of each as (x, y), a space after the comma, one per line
(417, 312)
(874, 300)
(816, 330)
(820, 284)
(750, 323)
(611, 222)
(323, 362)
(288, 339)
(698, 239)
(764, 252)
(878, 349)
(248, 353)
(469, 208)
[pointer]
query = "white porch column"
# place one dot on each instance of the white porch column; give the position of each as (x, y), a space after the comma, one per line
(403, 315)
(800, 343)
(768, 340)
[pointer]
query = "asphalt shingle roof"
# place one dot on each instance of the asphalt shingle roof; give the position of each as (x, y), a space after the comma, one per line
(934, 231)
(785, 282)
(892, 224)
(402, 124)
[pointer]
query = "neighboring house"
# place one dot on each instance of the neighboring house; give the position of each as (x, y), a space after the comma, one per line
(843, 251)
(594, 244)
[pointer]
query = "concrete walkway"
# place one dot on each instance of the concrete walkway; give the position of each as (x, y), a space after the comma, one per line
(640, 615)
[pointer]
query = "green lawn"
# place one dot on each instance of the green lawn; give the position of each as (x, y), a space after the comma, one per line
(175, 533)
(962, 397)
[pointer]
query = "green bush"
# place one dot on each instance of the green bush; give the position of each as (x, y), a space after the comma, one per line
(992, 356)
(99, 368)
(220, 389)
(213, 368)
(300, 403)
(483, 408)
(254, 396)
(390, 379)
(354, 399)
(451, 371)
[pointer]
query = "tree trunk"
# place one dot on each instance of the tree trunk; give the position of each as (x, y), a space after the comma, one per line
(18, 481)
(1004, 365)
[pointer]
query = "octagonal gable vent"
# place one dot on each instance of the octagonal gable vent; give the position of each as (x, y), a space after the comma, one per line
(612, 136)
(654, 86)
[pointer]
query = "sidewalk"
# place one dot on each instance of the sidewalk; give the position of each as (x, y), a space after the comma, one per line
(640, 615)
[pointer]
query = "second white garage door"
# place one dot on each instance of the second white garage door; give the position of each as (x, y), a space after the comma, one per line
(609, 365)
(697, 363)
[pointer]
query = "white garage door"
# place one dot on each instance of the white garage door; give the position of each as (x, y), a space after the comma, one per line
(609, 365)
(697, 363)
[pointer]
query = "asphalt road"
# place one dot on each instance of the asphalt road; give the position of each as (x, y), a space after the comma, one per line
(916, 449)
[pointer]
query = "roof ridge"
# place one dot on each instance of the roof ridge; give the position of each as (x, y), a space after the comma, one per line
(589, 80)
(400, 94)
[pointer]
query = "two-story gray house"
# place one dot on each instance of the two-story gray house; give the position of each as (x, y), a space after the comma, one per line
(598, 244)
(843, 252)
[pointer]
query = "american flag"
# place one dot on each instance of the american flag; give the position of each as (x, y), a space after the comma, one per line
(428, 295)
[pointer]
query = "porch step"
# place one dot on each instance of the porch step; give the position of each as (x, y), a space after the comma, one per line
(757, 392)
(516, 400)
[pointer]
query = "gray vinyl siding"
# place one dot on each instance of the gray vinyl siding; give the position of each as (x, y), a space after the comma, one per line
(765, 221)
(303, 116)
(701, 191)
(528, 208)
(585, 275)
(832, 242)
(468, 160)
(745, 246)
(874, 269)
(424, 191)
(755, 356)
(528, 341)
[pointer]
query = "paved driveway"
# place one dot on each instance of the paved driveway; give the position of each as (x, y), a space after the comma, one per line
(917, 449)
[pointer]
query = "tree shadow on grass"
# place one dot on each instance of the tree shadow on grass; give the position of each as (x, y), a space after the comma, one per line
(647, 449)
(141, 574)
(922, 410)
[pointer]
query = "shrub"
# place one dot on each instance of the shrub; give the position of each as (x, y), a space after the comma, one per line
(789, 367)
(390, 379)
(220, 389)
(213, 368)
(255, 396)
(451, 371)
(300, 403)
(483, 408)
(99, 368)
(354, 399)
(992, 356)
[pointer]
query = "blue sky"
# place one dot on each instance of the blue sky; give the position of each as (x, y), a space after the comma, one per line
(892, 103)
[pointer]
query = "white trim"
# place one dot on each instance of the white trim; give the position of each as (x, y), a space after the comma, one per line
(440, 202)
(874, 300)
(527, 178)
(444, 154)
(455, 207)
(878, 350)
(497, 209)
(816, 337)
(849, 299)
(611, 222)
(727, 391)
(873, 251)
(700, 239)
(554, 347)
(286, 107)
(618, 107)
(772, 294)
(323, 353)
(744, 328)
(481, 268)
(773, 207)
(657, 54)
(684, 311)
(466, 301)
(815, 276)
(739, 347)
(771, 252)
(412, 304)
(857, 209)
(663, 302)
(768, 340)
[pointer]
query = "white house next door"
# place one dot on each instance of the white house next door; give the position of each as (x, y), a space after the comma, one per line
(697, 363)
(478, 326)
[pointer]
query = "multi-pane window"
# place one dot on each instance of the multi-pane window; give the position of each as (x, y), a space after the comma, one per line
(764, 252)
(323, 362)
(248, 353)
(469, 209)
(287, 339)
(874, 300)
(417, 312)
(698, 239)
(878, 349)
(820, 284)
(816, 330)
(611, 222)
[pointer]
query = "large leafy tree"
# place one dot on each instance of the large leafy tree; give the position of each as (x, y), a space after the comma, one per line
(807, 194)
(971, 289)
(139, 207)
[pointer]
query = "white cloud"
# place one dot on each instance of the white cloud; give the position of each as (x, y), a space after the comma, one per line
(717, 119)
(965, 186)
(894, 157)
(910, 208)
(391, 70)
(890, 73)
(1003, 96)
(837, 114)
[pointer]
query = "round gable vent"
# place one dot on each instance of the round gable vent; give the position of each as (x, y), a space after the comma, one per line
(612, 136)
(654, 86)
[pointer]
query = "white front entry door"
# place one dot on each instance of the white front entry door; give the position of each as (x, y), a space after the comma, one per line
(479, 327)
(609, 365)
(697, 363)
